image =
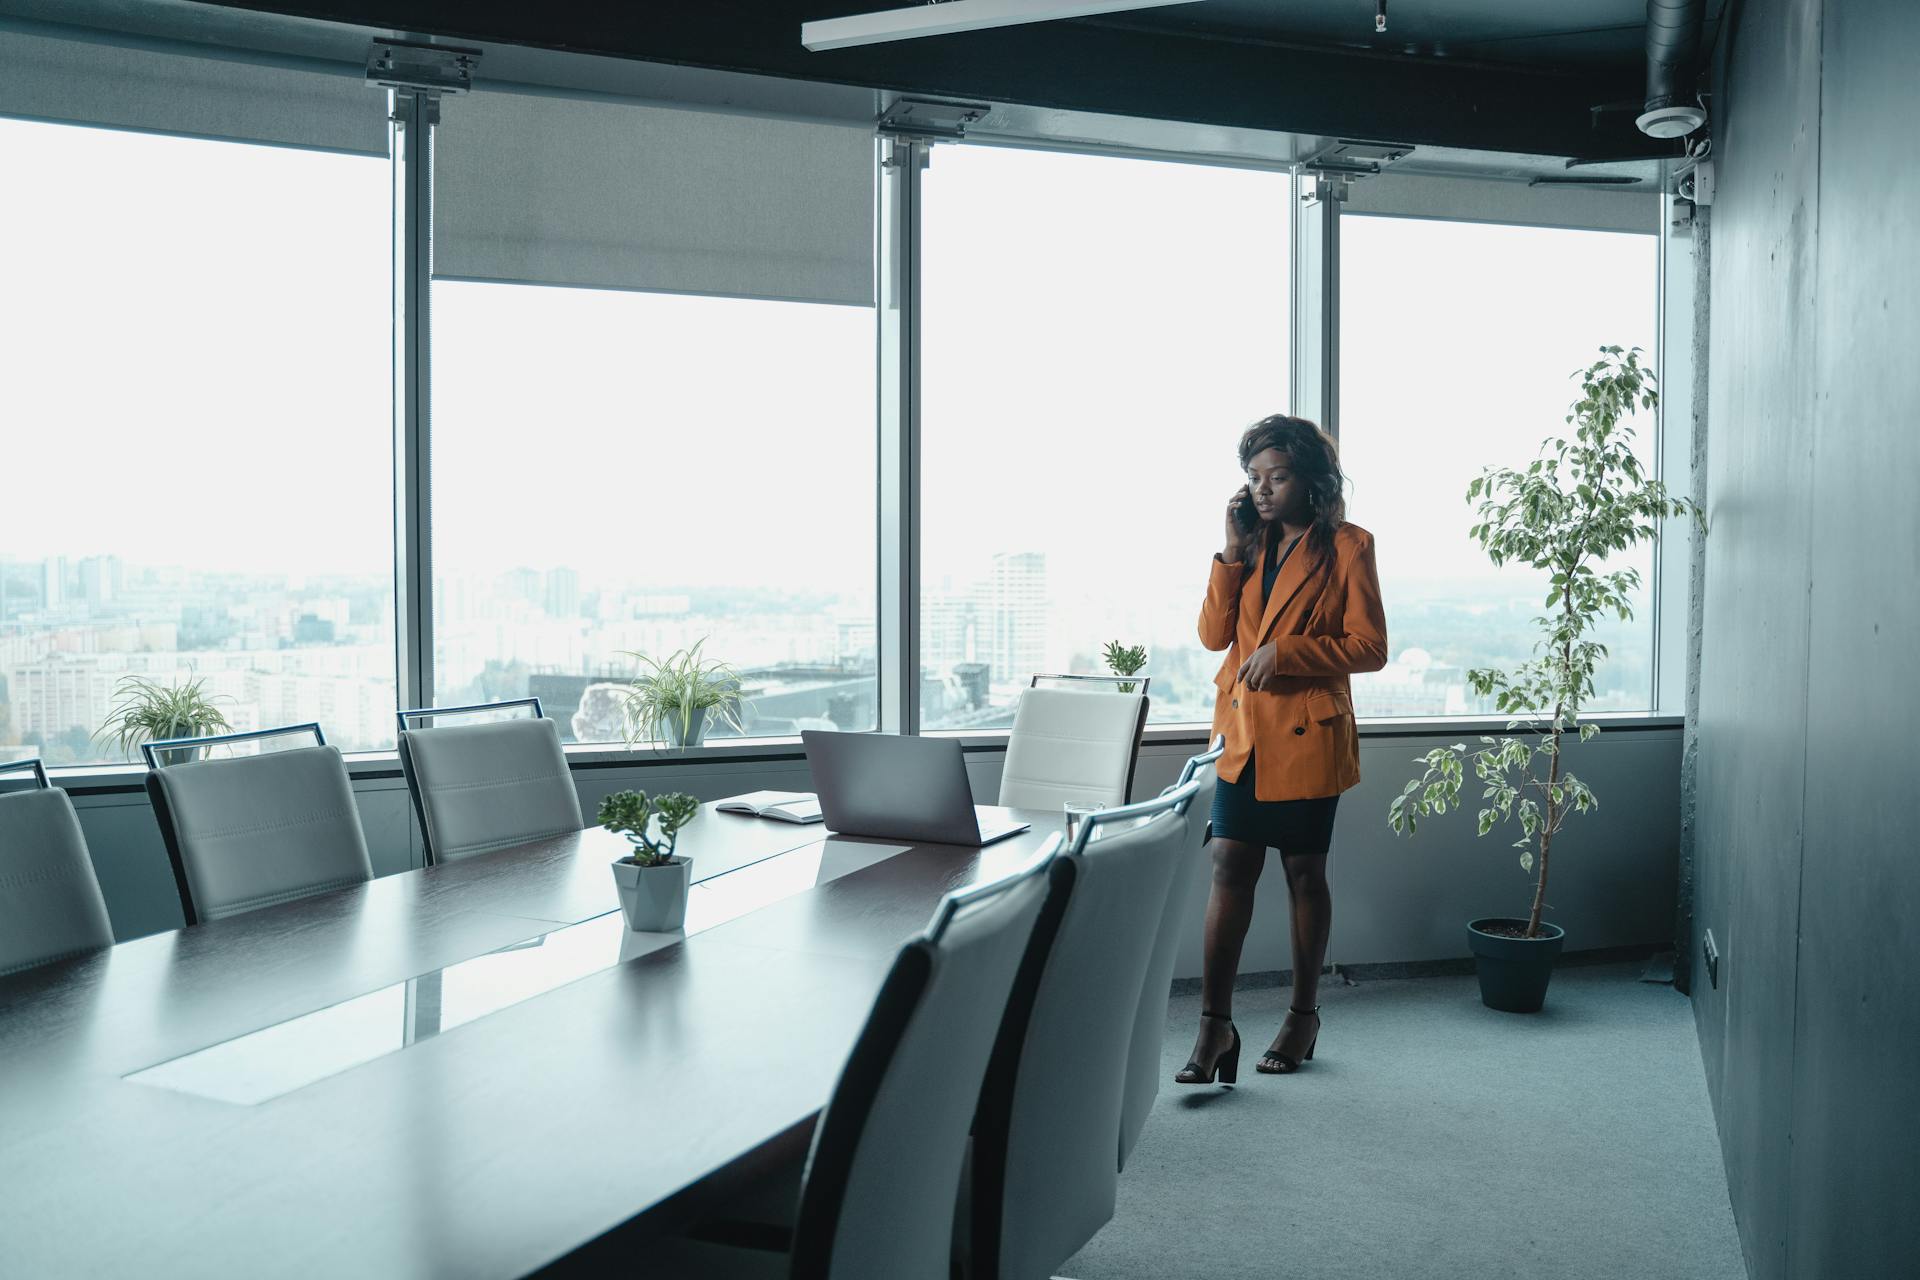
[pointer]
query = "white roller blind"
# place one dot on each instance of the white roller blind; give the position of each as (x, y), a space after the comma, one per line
(548, 190)
(77, 76)
(1514, 203)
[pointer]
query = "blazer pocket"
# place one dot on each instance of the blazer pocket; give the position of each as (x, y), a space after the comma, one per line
(1326, 705)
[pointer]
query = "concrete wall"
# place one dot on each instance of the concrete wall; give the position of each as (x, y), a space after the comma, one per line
(1400, 900)
(1806, 869)
(1395, 900)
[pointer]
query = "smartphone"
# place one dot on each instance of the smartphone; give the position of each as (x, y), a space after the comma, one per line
(1244, 515)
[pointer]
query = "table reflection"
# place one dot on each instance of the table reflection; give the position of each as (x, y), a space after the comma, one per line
(274, 1061)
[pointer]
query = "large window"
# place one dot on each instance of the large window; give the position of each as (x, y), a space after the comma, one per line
(1097, 332)
(195, 404)
(654, 408)
(618, 472)
(1456, 345)
(654, 371)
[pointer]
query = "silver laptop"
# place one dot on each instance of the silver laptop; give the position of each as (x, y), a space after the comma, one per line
(900, 788)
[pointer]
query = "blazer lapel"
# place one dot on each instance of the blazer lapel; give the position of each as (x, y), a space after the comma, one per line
(1293, 576)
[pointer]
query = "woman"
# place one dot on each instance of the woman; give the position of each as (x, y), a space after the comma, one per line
(1294, 600)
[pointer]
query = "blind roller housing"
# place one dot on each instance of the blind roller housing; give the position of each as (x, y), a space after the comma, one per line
(1512, 203)
(548, 190)
(75, 76)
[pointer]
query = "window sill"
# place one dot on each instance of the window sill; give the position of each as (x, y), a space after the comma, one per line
(368, 766)
(1492, 726)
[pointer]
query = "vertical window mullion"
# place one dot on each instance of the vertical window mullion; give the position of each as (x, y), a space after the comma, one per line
(1315, 373)
(413, 116)
(898, 597)
(1673, 454)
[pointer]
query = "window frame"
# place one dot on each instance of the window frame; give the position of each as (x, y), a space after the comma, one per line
(1320, 203)
(907, 687)
(1466, 200)
(231, 137)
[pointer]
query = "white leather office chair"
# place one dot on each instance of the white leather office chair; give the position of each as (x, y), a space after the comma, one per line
(1043, 1175)
(1069, 747)
(884, 1171)
(50, 903)
(254, 831)
(479, 787)
(1150, 1020)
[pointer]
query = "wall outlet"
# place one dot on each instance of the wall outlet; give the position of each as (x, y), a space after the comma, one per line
(1712, 952)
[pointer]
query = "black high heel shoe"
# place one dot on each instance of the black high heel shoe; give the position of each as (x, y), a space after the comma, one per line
(1276, 1062)
(1226, 1066)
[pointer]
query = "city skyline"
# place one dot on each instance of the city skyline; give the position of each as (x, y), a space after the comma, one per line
(290, 648)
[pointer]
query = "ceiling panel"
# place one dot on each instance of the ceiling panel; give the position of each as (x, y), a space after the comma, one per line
(1536, 33)
(1530, 77)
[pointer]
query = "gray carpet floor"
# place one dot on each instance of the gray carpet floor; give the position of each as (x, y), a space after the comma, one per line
(1433, 1137)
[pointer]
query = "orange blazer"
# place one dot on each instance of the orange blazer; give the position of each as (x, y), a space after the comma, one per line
(1325, 622)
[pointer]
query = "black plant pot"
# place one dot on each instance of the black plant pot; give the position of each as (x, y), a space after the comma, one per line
(1514, 972)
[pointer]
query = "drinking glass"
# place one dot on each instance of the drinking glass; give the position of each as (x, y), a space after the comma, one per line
(1076, 814)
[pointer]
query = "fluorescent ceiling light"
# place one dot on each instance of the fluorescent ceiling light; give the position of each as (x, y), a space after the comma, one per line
(954, 15)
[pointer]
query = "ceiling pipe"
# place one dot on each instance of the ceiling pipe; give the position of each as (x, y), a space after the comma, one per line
(1672, 107)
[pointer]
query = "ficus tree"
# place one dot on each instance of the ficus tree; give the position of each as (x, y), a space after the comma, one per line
(1584, 498)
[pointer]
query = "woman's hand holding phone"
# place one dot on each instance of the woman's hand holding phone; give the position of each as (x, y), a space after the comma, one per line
(1242, 521)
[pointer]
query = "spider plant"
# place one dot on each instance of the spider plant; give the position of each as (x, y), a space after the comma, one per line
(671, 697)
(148, 711)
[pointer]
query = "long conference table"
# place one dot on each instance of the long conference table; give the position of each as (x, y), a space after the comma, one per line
(469, 1070)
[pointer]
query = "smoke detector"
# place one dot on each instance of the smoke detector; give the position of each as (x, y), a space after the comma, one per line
(1674, 121)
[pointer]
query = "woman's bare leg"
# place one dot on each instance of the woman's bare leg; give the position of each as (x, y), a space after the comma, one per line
(1236, 871)
(1312, 903)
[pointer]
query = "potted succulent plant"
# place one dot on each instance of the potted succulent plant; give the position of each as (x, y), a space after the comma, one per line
(1583, 499)
(147, 711)
(672, 698)
(652, 880)
(1125, 660)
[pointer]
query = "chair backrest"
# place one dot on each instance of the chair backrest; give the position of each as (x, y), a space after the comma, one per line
(253, 831)
(37, 779)
(1196, 764)
(1044, 1173)
(1150, 1020)
(1072, 748)
(884, 1171)
(479, 787)
(1090, 683)
(50, 903)
(161, 752)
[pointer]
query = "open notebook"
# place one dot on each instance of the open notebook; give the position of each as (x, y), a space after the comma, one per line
(787, 806)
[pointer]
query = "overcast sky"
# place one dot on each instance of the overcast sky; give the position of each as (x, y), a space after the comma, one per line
(200, 375)
(194, 352)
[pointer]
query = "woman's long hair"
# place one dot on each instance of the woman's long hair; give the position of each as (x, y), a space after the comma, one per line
(1315, 461)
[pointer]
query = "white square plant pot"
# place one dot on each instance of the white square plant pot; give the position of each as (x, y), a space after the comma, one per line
(654, 899)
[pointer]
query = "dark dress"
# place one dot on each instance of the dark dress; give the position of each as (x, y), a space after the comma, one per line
(1291, 826)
